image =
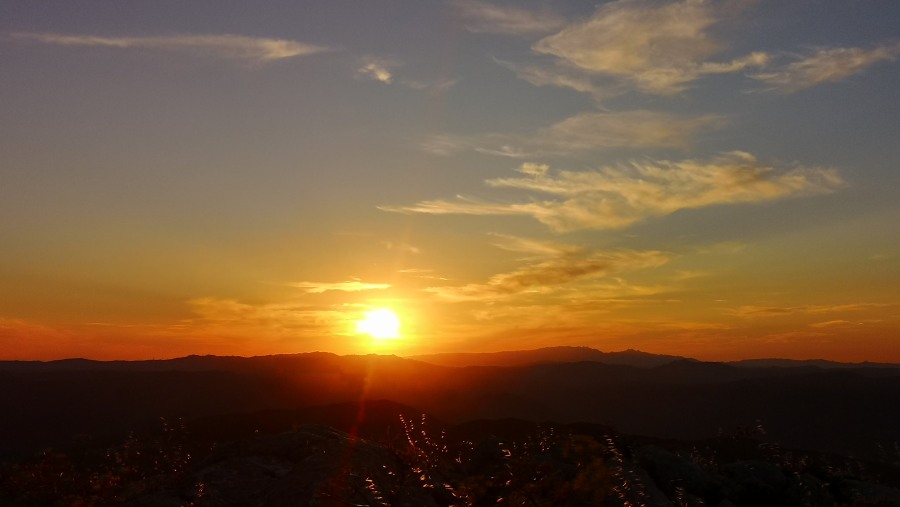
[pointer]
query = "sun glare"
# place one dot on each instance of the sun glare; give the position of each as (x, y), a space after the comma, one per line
(380, 324)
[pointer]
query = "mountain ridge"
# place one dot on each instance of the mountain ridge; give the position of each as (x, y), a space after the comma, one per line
(507, 358)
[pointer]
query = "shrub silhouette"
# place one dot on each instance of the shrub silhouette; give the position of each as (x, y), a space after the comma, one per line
(539, 466)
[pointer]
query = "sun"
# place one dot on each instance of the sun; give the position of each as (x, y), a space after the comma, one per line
(380, 324)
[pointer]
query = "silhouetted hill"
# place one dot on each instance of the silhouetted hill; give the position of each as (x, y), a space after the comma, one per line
(799, 363)
(547, 355)
(846, 410)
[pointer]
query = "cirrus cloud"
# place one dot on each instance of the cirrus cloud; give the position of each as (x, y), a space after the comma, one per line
(585, 132)
(238, 47)
(354, 285)
(657, 47)
(625, 129)
(549, 269)
(775, 311)
(824, 66)
(619, 196)
(483, 17)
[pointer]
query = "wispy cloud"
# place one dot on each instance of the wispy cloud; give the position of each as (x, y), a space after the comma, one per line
(789, 337)
(628, 129)
(532, 169)
(563, 76)
(619, 196)
(238, 47)
(401, 247)
(445, 145)
(585, 132)
(659, 48)
(534, 247)
(590, 313)
(568, 268)
(484, 17)
(689, 274)
(662, 48)
(233, 317)
(831, 324)
(16, 333)
(601, 86)
(463, 206)
(421, 274)
(416, 271)
(354, 285)
(775, 311)
(553, 267)
(615, 292)
(825, 66)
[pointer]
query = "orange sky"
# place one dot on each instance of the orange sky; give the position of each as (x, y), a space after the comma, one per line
(706, 179)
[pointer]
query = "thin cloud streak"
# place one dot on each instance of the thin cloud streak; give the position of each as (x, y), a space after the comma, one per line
(563, 76)
(830, 324)
(534, 247)
(348, 286)
(620, 196)
(594, 315)
(825, 66)
(229, 46)
(625, 129)
(230, 317)
(775, 311)
(585, 132)
(483, 17)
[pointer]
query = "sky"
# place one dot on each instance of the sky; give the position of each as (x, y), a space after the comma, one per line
(712, 179)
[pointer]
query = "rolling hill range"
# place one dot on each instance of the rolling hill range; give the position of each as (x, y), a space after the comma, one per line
(850, 410)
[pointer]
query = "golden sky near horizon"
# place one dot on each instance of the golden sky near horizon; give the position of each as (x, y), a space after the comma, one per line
(713, 179)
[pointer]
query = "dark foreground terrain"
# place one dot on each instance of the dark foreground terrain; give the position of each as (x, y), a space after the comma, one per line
(566, 426)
